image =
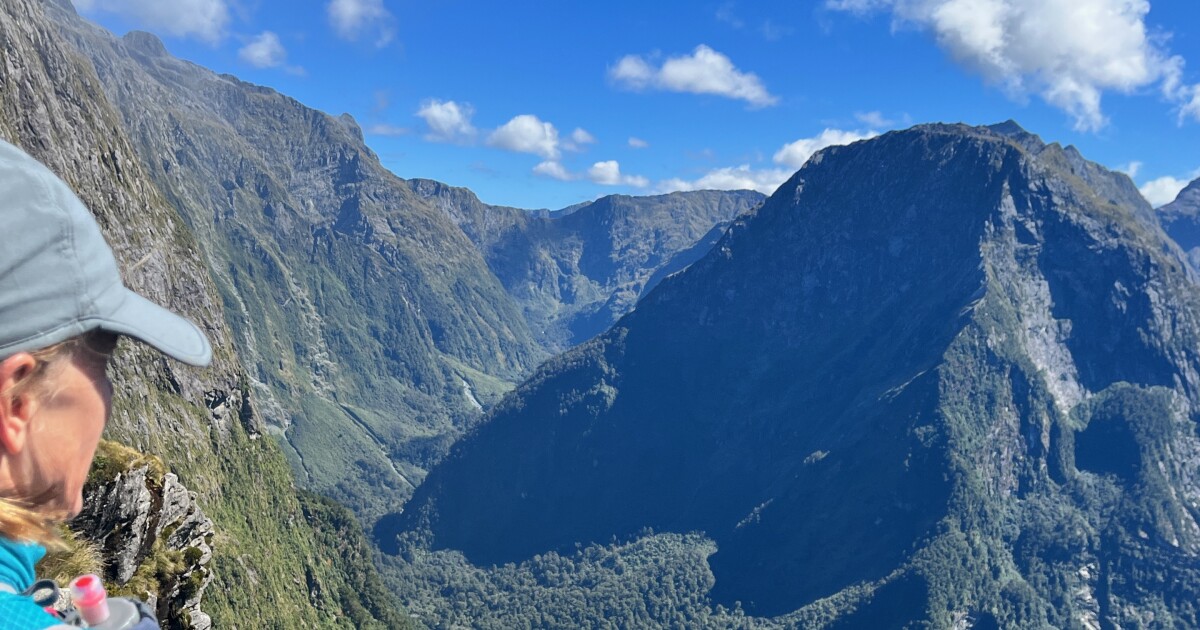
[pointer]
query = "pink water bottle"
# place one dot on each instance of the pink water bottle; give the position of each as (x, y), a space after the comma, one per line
(97, 609)
(90, 599)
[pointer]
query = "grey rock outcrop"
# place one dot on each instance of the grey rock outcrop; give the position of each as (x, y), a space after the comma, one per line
(145, 520)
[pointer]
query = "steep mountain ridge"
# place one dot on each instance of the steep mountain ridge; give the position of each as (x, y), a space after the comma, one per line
(1181, 220)
(201, 422)
(945, 377)
(576, 271)
(372, 326)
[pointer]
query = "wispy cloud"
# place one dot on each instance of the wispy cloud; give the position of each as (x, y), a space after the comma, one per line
(874, 120)
(795, 154)
(385, 129)
(356, 20)
(705, 71)
(554, 170)
(773, 32)
(579, 140)
(1131, 169)
(1069, 52)
(638, 143)
(266, 51)
(1191, 105)
(726, 14)
(731, 178)
(788, 158)
(206, 20)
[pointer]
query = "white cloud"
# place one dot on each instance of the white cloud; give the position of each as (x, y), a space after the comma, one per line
(638, 143)
(355, 19)
(1163, 190)
(773, 32)
(731, 178)
(203, 19)
(1067, 51)
(382, 102)
(1131, 169)
(795, 154)
(633, 72)
(554, 170)
(858, 6)
(608, 173)
(447, 121)
(705, 71)
(527, 134)
(874, 120)
(264, 51)
(1190, 108)
(725, 14)
(384, 129)
(580, 138)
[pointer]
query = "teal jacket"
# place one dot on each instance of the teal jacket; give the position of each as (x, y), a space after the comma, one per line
(17, 612)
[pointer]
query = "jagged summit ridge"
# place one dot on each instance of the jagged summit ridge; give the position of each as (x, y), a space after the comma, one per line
(575, 271)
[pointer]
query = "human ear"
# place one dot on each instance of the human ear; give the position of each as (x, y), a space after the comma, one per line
(17, 405)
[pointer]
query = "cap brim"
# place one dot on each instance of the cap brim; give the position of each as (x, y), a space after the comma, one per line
(171, 334)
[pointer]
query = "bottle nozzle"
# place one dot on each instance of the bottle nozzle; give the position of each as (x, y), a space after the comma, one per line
(90, 599)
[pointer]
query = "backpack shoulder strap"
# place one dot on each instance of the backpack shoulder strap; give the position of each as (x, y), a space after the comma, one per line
(19, 611)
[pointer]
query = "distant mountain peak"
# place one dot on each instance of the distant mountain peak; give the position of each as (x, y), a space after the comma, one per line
(65, 5)
(1008, 128)
(352, 126)
(1181, 220)
(145, 43)
(1190, 194)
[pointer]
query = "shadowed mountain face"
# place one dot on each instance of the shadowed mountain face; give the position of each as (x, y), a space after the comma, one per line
(373, 328)
(576, 271)
(897, 383)
(1181, 220)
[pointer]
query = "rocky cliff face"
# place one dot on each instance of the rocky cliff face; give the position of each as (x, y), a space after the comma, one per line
(576, 271)
(153, 533)
(370, 324)
(948, 377)
(201, 422)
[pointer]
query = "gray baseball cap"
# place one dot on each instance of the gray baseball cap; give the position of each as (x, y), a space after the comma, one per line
(58, 277)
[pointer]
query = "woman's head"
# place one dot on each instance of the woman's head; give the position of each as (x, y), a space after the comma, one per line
(62, 305)
(54, 404)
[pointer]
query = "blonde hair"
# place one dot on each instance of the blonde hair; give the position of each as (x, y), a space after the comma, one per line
(29, 518)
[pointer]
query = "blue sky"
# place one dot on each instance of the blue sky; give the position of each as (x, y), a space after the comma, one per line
(545, 104)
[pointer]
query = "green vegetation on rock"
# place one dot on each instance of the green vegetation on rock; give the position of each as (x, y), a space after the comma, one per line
(350, 299)
(201, 424)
